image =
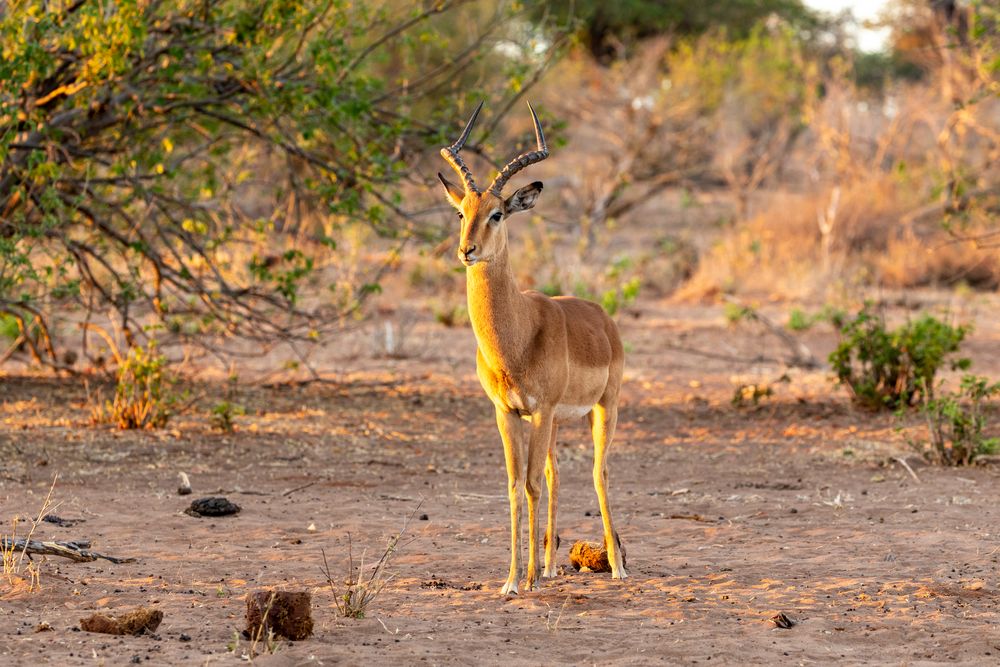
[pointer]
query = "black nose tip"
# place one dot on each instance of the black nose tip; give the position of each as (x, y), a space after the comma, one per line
(468, 250)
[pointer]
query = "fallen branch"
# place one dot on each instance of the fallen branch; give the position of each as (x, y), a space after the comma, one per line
(691, 517)
(759, 359)
(902, 461)
(297, 488)
(75, 551)
(802, 356)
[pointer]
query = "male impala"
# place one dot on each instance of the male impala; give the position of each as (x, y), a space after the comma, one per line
(540, 359)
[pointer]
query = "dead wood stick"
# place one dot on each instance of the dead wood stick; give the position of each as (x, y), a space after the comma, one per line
(297, 488)
(76, 551)
(691, 517)
(902, 461)
(14, 347)
(759, 359)
(802, 356)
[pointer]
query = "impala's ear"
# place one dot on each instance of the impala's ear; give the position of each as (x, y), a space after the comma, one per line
(453, 192)
(524, 198)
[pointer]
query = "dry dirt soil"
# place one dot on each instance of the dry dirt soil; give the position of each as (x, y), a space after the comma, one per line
(730, 515)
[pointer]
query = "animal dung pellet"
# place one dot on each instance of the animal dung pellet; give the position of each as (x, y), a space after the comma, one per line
(183, 484)
(287, 614)
(135, 622)
(589, 556)
(214, 506)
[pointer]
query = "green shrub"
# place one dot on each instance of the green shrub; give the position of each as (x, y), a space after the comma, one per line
(223, 415)
(737, 312)
(800, 320)
(9, 329)
(141, 397)
(620, 296)
(956, 422)
(746, 394)
(893, 369)
(452, 315)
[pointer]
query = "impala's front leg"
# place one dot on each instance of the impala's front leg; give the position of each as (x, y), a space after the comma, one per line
(509, 425)
(538, 450)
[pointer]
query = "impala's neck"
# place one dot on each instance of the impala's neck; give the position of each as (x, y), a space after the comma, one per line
(497, 310)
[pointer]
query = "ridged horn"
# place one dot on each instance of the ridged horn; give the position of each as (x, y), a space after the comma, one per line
(450, 153)
(522, 160)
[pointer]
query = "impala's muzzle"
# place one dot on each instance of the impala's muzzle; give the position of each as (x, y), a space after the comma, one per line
(468, 255)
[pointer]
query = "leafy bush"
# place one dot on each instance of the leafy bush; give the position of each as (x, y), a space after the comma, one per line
(893, 369)
(800, 320)
(956, 422)
(196, 163)
(141, 399)
(9, 329)
(738, 312)
(750, 394)
(452, 315)
(224, 414)
(620, 296)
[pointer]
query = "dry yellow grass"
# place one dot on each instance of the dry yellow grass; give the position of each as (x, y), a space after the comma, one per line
(873, 240)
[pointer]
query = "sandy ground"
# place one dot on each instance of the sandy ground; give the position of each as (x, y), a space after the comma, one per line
(729, 516)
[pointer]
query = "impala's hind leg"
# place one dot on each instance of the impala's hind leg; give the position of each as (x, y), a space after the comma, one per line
(603, 420)
(552, 482)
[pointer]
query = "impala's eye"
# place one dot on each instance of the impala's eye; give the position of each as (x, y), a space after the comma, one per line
(495, 217)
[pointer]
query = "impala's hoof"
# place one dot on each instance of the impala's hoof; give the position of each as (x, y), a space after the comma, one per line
(509, 589)
(549, 573)
(620, 574)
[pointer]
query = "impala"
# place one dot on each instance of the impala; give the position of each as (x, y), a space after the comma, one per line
(539, 359)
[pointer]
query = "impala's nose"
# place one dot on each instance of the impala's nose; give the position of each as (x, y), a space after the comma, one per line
(468, 252)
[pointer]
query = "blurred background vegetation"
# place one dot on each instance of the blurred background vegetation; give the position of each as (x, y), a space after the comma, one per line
(233, 176)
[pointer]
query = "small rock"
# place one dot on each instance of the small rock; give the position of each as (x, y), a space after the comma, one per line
(783, 621)
(184, 484)
(424, 517)
(59, 521)
(43, 627)
(185, 637)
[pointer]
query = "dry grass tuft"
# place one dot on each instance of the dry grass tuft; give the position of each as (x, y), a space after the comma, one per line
(797, 249)
(14, 568)
(141, 394)
(354, 595)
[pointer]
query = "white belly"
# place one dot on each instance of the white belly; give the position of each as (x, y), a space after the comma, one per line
(526, 406)
(571, 411)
